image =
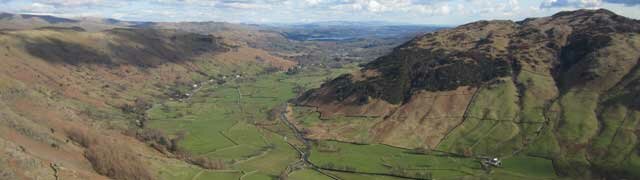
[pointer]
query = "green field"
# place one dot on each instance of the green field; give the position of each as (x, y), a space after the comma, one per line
(490, 126)
(230, 123)
(527, 166)
(176, 171)
(307, 174)
(390, 160)
(355, 176)
(396, 161)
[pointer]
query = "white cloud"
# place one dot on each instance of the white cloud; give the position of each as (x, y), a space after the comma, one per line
(70, 2)
(397, 6)
(313, 2)
(415, 11)
(188, 2)
(241, 5)
(571, 3)
(38, 8)
(625, 2)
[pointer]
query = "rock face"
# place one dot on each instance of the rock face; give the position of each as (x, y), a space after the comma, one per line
(563, 87)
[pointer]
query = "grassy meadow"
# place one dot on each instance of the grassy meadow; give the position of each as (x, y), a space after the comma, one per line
(231, 122)
(495, 110)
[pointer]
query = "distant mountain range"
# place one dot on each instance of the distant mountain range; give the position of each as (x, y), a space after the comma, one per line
(351, 23)
(28, 21)
(345, 30)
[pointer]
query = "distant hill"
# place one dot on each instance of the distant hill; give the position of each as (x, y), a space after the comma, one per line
(565, 88)
(30, 21)
(342, 31)
(310, 44)
(326, 43)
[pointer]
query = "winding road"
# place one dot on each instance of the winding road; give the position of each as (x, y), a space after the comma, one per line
(304, 153)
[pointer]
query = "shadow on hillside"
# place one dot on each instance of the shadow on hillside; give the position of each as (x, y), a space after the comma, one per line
(151, 47)
(58, 51)
(54, 28)
(49, 19)
(139, 47)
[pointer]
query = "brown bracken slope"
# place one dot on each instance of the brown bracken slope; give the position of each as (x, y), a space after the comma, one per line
(68, 96)
(564, 87)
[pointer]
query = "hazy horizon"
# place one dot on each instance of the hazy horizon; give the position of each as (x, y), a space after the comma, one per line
(422, 12)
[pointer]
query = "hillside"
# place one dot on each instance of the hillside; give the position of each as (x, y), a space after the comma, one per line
(365, 43)
(94, 98)
(90, 98)
(71, 100)
(562, 88)
(311, 44)
(10, 21)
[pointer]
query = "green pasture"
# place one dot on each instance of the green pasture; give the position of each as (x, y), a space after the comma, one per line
(230, 122)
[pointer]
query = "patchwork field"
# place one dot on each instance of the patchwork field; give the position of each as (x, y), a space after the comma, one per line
(376, 159)
(492, 127)
(552, 98)
(233, 123)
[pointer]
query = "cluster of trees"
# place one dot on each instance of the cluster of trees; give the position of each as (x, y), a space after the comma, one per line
(332, 166)
(420, 150)
(263, 149)
(274, 114)
(159, 140)
(293, 71)
(138, 109)
(108, 156)
(207, 163)
(162, 143)
(299, 90)
(404, 172)
(328, 147)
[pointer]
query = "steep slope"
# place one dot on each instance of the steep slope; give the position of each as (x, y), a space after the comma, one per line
(70, 100)
(74, 93)
(562, 88)
(372, 41)
(364, 43)
(30, 21)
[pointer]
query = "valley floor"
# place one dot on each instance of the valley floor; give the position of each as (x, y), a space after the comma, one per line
(234, 123)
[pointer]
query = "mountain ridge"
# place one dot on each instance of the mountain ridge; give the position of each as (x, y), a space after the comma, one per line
(553, 97)
(559, 74)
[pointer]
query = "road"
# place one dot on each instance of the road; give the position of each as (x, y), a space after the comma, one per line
(304, 153)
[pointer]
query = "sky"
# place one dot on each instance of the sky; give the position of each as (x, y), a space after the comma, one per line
(433, 12)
